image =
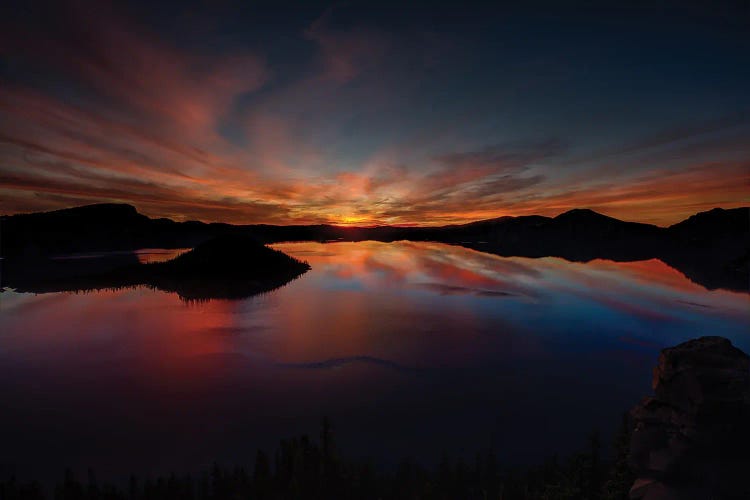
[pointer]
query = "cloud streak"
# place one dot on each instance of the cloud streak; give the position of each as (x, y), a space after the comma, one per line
(100, 106)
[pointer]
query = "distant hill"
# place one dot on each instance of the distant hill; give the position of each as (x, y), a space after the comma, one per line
(99, 227)
(714, 239)
(705, 227)
(578, 235)
(710, 247)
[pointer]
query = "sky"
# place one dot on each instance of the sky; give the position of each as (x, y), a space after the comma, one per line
(409, 113)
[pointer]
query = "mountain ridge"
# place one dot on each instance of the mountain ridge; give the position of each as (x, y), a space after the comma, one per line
(127, 208)
(711, 247)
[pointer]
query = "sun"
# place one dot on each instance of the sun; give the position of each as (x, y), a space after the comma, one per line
(351, 219)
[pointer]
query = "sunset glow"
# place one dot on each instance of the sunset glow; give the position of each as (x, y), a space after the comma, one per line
(374, 250)
(343, 115)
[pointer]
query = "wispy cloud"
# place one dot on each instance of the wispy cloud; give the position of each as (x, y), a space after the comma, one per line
(344, 54)
(99, 106)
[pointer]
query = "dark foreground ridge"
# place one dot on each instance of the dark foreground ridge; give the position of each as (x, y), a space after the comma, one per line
(689, 441)
(231, 266)
(711, 248)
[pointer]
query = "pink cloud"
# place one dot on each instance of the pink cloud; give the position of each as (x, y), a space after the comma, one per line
(127, 116)
(344, 54)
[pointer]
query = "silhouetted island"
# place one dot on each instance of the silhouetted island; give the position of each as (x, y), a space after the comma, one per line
(711, 248)
(231, 266)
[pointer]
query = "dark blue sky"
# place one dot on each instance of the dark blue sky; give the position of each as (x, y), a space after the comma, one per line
(357, 113)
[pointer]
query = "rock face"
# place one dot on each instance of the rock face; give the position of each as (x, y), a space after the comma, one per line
(692, 438)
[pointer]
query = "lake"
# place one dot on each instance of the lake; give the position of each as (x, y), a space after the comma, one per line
(412, 350)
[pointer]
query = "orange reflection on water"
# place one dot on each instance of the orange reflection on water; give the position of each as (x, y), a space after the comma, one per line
(151, 255)
(651, 272)
(410, 303)
(382, 305)
(140, 325)
(386, 337)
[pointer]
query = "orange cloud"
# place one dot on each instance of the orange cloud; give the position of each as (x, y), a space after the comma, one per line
(131, 118)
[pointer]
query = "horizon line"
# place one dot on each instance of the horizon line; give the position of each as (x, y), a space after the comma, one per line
(366, 226)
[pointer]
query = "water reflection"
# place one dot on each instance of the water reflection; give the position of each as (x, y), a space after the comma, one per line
(226, 267)
(152, 255)
(143, 255)
(411, 348)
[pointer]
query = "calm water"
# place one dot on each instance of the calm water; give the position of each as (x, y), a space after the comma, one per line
(411, 348)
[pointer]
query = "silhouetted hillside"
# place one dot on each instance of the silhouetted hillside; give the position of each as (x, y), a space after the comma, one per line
(717, 223)
(99, 227)
(711, 248)
(578, 235)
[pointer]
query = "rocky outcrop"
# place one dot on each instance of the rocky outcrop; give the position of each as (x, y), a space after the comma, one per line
(692, 438)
